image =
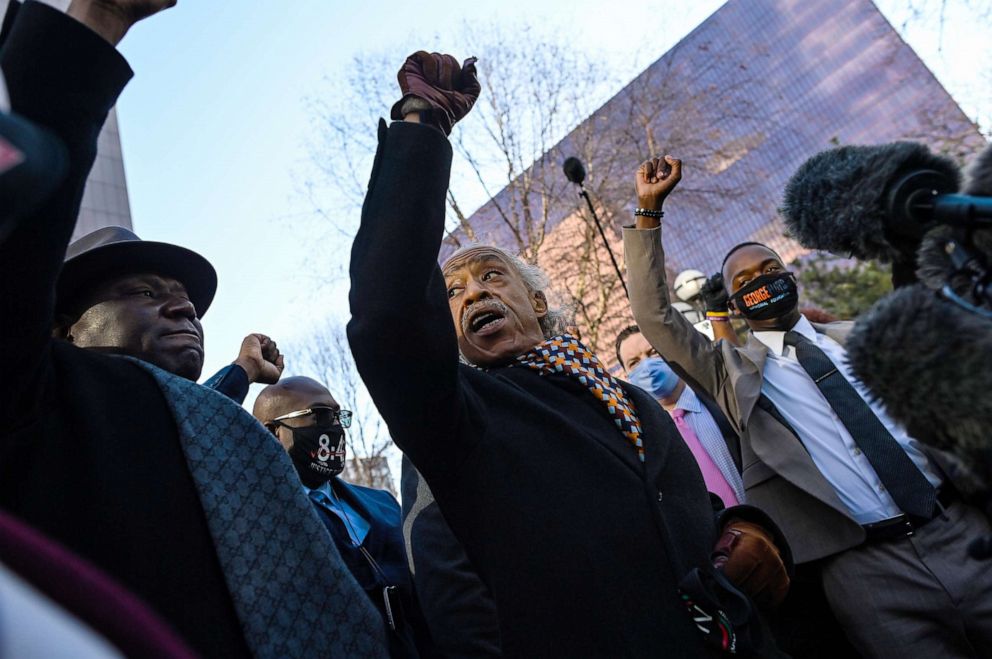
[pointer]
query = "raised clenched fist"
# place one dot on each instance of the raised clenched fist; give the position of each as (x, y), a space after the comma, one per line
(714, 293)
(436, 85)
(261, 359)
(655, 180)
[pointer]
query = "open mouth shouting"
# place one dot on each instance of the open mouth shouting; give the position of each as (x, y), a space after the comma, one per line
(485, 318)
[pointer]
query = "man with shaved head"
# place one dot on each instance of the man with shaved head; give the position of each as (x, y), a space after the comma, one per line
(572, 493)
(364, 523)
(872, 519)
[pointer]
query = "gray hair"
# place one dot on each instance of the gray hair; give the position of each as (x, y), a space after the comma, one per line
(560, 317)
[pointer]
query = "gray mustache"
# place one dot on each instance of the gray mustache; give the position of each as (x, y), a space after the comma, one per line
(490, 304)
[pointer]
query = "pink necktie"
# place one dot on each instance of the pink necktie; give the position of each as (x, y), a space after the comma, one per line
(715, 482)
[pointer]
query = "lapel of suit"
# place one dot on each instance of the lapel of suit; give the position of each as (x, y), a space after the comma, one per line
(354, 498)
(746, 382)
(837, 331)
(285, 576)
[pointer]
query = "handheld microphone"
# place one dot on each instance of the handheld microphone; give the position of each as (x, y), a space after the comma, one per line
(574, 171)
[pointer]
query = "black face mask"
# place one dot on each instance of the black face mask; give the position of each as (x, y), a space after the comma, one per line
(318, 453)
(768, 296)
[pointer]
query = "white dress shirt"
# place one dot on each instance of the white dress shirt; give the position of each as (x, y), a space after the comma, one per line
(828, 442)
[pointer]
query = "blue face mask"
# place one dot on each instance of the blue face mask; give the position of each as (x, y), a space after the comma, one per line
(655, 377)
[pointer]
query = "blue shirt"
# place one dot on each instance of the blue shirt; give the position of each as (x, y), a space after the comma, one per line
(356, 525)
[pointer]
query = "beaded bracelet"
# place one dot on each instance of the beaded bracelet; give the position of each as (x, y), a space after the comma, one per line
(646, 212)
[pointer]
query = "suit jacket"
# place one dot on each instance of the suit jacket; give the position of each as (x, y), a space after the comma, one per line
(779, 475)
(581, 544)
(457, 605)
(164, 484)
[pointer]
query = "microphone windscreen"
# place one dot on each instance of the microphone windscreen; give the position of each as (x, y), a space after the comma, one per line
(980, 174)
(927, 361)
(837, 200)
(934, 266)
(574, 170)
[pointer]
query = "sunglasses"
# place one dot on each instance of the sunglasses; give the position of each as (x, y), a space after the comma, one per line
(322, 416)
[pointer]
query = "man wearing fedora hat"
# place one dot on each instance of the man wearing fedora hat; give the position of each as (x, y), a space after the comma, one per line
(123, 295)
(107, 444)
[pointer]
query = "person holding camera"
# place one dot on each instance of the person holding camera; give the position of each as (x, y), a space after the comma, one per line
(861, 502)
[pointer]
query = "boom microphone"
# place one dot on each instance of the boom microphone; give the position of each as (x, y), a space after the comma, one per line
(574, 171)
(872, 202)
(924, 350)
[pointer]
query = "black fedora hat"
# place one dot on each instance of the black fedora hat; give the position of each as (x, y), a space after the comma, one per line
(115, 251)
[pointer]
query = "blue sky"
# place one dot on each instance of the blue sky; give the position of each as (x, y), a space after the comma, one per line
(215, 127)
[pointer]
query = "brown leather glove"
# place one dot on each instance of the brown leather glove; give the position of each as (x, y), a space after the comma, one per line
(747, 555)
(436, 84)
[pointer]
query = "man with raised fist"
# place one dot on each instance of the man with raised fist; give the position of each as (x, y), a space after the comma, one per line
(876, 526)
(571, 492)
(107, 444)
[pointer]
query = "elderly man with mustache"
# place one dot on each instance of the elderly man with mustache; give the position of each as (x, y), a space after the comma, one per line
(571, 493)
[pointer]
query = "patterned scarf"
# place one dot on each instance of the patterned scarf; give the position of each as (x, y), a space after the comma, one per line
(565, 354)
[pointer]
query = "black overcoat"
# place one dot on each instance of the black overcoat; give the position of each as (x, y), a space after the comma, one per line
(581, 544)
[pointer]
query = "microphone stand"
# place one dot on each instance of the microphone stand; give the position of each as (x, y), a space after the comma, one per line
(595, 218)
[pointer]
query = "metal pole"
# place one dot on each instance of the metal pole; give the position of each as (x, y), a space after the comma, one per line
(595, 218)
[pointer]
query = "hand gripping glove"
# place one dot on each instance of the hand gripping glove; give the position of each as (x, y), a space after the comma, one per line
(437, 87)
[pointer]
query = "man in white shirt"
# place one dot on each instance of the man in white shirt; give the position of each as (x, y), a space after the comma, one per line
(858, 499)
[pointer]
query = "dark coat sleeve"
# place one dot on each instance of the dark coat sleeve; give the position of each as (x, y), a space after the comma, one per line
(457, 606)
(232, 381)
(401, 332)
(64, 77)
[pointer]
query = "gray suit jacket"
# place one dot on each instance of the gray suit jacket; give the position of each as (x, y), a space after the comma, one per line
(779, 475)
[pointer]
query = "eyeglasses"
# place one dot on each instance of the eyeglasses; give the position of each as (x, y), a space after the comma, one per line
(322, 416)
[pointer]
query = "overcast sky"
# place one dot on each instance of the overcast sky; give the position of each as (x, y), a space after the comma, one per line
(215, 125)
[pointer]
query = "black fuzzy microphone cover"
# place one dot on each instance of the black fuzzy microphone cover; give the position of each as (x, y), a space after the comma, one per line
(837, 200)
(928, 362)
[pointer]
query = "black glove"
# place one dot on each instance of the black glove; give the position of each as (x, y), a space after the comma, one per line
(714, 294)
